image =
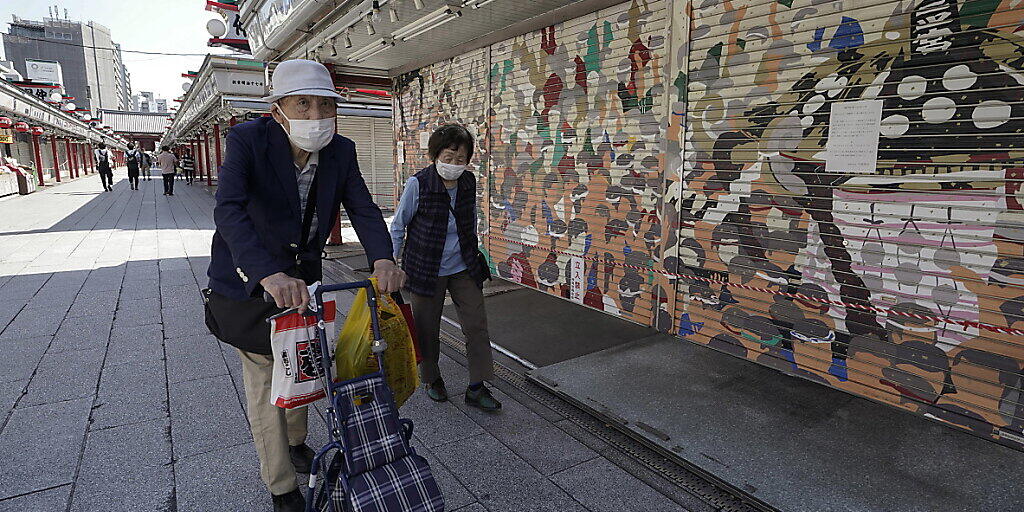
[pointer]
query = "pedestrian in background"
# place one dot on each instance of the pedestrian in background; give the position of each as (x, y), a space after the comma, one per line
(133, 159)
(168, 162)
(282, 183)
(436, 220)
(147, 164)
(188, 166)
(103, 160)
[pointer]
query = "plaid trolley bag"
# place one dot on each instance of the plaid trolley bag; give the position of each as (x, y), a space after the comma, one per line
(368, 466)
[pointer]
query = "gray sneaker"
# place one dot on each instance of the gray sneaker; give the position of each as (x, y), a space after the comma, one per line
(437, 392)
(482, 399)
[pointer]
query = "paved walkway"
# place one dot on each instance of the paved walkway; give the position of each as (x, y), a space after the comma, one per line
(113, 395)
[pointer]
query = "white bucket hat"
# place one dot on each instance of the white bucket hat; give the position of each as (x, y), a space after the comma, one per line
(301, 76)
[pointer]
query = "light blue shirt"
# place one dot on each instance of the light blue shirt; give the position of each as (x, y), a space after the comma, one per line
(451, 257)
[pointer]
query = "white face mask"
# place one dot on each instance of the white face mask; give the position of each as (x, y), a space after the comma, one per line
(449, 171)
(309, 134)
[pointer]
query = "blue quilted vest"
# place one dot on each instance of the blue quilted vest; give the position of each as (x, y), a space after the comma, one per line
(425, 235)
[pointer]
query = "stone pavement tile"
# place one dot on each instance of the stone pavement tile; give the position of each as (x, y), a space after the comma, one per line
(500, 480)
(10, 391)
(41, 501)
(473, 507)
(673, 491)
(186, 325)
(93, 303)
(23, 286)
(132, 344)
(438, 423)
(64, 376)
(36, 445)
(130, 393)
(194, 357)
(204, 416)
(529, 435)
(171, 264)
(182, 276)
(455, 494)
(184, 294)
(140, 290)
(126, 468)
(604, 487)
(102, 282)
(237, 485)
(31, 323)
(83, 333)
(21, 356)
(150, 305)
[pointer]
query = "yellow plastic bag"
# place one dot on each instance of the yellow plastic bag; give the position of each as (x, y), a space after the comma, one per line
(353, 358)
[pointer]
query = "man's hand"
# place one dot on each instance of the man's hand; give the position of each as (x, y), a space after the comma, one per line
(287, 291)
(390, 278)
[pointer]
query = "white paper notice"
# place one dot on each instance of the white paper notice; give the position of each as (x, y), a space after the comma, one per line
(401, 151)
(578, 284)
(424, 140)
(853, 136)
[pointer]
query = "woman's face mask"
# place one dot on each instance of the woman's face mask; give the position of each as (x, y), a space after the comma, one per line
(309, 134)
(450, 172)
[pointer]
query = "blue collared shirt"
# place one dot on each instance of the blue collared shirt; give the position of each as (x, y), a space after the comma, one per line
(451, 257)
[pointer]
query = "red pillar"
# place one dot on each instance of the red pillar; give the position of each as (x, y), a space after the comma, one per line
(56, 157)
(39, 159)
(91, 157)
(216, 148)
(81, 154)
(206, 157)
(71, 159)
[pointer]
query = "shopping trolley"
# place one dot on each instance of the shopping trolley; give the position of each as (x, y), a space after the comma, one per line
(368, 464)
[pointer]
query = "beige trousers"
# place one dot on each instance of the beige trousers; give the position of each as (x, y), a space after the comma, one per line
(273, 428)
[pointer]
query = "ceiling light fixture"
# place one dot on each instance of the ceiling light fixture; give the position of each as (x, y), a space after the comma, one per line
(476, 4)
(371, 49)
(348, 37)
(369, 24)
(418, 4)
(393, 13)
(428, 22)
(334, 49)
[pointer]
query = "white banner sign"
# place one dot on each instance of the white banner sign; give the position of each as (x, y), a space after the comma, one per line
(578, 279)
(44, 71)
(853, 130)
(249, 83)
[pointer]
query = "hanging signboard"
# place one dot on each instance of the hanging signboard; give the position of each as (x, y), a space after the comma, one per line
(239, 82)
(6, 136)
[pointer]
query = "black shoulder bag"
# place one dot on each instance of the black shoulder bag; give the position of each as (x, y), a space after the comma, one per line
(243, 323)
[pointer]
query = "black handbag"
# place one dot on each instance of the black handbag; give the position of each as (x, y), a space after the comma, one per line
(240, 323)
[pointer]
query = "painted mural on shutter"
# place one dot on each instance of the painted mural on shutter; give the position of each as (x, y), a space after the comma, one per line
(576, 186)
(450, 91)
(904, 284)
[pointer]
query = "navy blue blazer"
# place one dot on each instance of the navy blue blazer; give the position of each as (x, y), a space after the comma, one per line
(257, 212)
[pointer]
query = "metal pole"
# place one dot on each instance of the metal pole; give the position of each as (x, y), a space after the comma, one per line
(56, 157)
(39, 159)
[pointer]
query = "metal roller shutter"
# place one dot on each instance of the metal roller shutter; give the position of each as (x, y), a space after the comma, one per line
(383, 162)
(374, 152)
(904, 283)
(576, 180)
(451, 91)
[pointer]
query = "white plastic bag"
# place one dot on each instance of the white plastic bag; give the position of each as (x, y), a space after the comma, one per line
(297, 379)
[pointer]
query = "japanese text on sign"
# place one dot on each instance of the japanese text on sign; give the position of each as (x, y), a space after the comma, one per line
(853, 130)
(576, 273)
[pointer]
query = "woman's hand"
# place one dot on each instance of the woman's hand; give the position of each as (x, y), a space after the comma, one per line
(390, 278)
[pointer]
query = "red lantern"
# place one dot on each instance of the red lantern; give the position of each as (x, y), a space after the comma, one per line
(5, 122)
(21, 126)
(37, 130)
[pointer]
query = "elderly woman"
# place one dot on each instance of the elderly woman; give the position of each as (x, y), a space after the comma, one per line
(436, 223)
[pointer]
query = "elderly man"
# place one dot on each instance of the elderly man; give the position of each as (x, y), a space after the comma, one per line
(278, 195)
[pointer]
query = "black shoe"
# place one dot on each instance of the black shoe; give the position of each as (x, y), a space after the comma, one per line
(302, 458)
(482, 399)
(437, 391)
(290, 502)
